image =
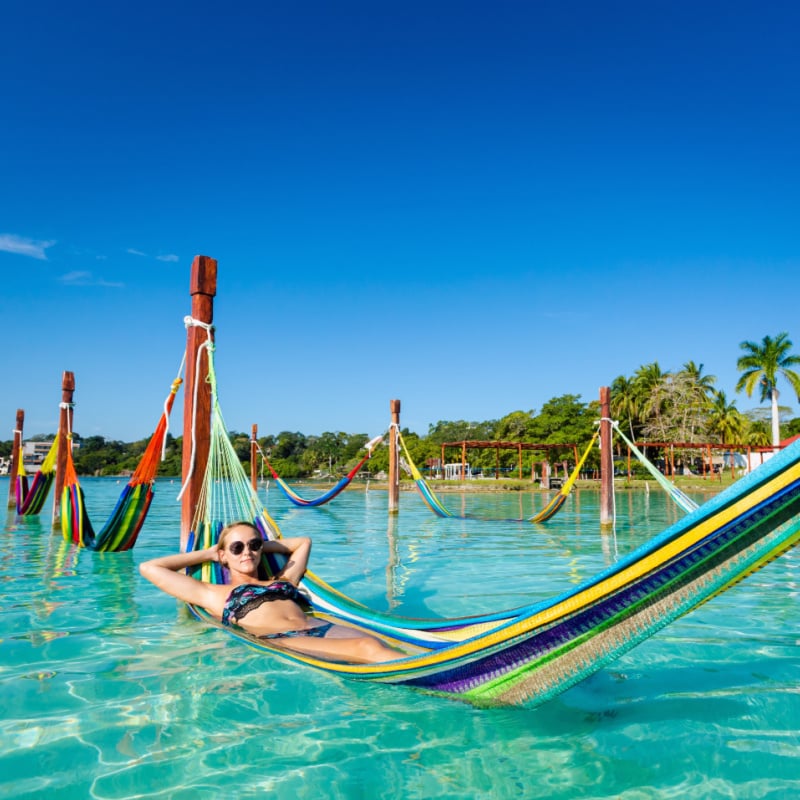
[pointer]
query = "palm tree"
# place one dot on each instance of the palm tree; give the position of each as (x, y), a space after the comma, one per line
(703, 382)
(624, 401)
(647, 380)
(725, 420)
(761, 365)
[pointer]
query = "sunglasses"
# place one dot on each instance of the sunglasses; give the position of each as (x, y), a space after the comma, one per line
(254, 545)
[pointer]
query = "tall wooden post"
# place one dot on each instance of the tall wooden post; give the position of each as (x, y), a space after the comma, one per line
(64, 428)
(197, 391)
(394, 466)
(16, 455)
(254, 458)
(606, 459)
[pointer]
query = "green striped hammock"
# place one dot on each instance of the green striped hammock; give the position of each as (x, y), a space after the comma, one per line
(528, 655)
(31, 498)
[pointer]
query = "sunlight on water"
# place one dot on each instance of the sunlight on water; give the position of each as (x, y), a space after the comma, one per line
(111, 690)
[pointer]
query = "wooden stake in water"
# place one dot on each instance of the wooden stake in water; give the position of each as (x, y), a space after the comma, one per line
(606, 459)
(197, 390)
(64, 428)
(16, 455)
(254, 458)
(394, 466)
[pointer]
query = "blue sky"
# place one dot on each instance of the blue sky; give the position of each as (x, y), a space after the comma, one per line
(469, 206)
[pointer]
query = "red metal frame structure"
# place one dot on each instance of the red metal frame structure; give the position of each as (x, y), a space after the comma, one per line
(498, 446)
(708, 448)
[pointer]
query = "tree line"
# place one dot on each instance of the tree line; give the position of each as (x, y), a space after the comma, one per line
(651, 404)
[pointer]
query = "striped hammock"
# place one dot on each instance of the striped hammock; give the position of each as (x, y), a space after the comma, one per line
(438, 507)
(528, 655)
(122, 527)
(326, 497)
(686, 503)
(30, 500)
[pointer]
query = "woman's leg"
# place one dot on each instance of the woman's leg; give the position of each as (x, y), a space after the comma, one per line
(343, 643)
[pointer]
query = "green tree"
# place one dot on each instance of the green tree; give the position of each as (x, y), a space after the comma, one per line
(761, 365)
(625, 402)
(725, 421)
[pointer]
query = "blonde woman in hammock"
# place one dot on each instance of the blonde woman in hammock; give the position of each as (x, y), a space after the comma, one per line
(267, 609)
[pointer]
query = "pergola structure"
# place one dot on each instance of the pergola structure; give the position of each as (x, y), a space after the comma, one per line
(706, 449)
(498, 446)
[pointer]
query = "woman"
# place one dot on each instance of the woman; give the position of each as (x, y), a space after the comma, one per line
(268, 609)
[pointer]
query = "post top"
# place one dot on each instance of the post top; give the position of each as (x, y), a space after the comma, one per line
(204, 276)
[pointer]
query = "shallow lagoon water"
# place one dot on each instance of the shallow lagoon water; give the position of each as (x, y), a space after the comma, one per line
(109, 689)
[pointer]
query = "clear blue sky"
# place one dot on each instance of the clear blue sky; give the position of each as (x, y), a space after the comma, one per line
(469, 206)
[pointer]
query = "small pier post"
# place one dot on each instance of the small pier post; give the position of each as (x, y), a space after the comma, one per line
(197, 413)
(16, 455)
(606, 460)
(394, 466)
(64, 427)
(254, 458)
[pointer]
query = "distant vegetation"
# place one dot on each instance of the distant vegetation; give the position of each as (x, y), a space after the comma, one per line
(561, 420)
(651, 405)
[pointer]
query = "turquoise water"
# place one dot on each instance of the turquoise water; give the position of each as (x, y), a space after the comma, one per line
(109, 689)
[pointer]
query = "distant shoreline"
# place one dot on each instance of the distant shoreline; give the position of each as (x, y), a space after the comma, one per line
(710, 486)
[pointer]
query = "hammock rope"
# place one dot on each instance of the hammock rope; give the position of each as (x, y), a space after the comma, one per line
(685, 502)
(123, 526)
(327, 496)
(30, 499)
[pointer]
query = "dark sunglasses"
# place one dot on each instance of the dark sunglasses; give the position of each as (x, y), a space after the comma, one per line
(254, 545)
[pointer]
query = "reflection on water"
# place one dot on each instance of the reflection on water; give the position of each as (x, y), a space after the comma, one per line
(117, 692)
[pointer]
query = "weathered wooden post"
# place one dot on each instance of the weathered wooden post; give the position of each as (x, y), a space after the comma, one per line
(64, 441)
(606, 459)
(394, 466)
(254, 458)
(16, 455)
(197, 391)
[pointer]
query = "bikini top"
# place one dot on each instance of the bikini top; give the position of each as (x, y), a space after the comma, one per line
(243, 599)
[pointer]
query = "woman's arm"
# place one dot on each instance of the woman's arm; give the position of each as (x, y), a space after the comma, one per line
(165, 573)
(297, 550)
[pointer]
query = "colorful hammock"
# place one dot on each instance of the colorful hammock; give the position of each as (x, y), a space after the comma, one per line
(122, 527)
(30, 500)
(529, 655)
(295, 498)
(435, 504)
(686, 503)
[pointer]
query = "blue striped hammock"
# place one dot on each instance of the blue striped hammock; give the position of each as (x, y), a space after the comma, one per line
(528, 655)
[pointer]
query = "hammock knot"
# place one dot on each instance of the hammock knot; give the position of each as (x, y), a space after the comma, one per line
(189, 322)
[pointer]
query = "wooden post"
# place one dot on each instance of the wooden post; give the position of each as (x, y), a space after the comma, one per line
(16, 455)
(202, 288)
(254, 458)
(394, 466)
(64, 428)
(606, 460)
(463, 460)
